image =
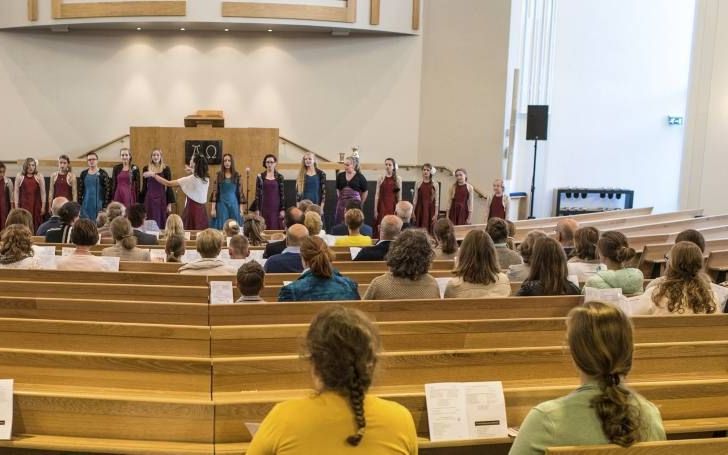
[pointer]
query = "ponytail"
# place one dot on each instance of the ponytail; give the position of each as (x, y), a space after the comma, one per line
(620, 419)
(128, 242)
(317, 256)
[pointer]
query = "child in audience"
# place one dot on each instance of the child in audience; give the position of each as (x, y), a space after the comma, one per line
(497, 228)
(388, 193)
(175, 247)
(585, 261)
(354, 218)
(125, 180)
(251, 278)
(425, 199)
(7, 196)
(603, 410)
(446, 246)
(461, 198)
(239, 248)
(30, 192)
(615, 253)
(310, 183)
(477, 273)
(342, 346)
(520, 272)
(548, 275)
(113, 211)
(84, 236)
(62, 182)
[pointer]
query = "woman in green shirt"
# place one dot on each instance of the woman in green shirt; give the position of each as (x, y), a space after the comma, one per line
(603, 410)
(616, 254)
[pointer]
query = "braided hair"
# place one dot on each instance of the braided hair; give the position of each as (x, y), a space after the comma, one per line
(342, 344)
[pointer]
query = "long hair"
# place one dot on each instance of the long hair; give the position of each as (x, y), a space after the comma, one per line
(394, 174)
(174, 225)
(201, 167)
(455, 183)
(600, 342)
(548, 266)
(477, 259)
(122, 233)
(613, 245)
(221, 172)
(16, 244)
(585, 243)
(317, 255)
(301, 179)
(253, 227)
(342, 345)
(444, 232)
(685, 285)
(154, 167)
(526, 247)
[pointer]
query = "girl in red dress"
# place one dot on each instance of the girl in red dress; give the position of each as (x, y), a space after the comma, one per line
(30, 193)
(388, 193)
(63, 183)
(425, 200)
(461, 199)
(6, 196)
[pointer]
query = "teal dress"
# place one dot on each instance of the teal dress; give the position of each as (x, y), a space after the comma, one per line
(92, 203)
(227, 205)
(311, 188)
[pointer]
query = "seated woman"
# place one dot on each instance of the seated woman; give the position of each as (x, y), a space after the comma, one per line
(585, 262)
(477, 273)
(312, 221)
(409, 258)
(446, 246)
(549, 273)
(174, 226)
(341, 417)
(84, 235)
(209, 245)
(253, 228)
(20, 216)
(125, 242)
(354, 218)
(113, 211)
(615, 253)
(16, 248)
(519, 272)
(684, 289)
(320, 281)
(603, 410)
(175, 247)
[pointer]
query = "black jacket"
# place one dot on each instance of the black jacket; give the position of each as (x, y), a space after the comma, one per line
(145, 239)
(273, 248)
(104, 187)
(374, 253)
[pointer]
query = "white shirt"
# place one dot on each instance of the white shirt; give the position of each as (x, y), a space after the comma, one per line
(194, 188)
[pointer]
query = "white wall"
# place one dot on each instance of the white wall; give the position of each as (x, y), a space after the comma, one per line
(619, 69)
(67, 93)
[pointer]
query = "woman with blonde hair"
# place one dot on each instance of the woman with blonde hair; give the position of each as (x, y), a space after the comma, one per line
(311, 181)
(461, 197)
(350, 186)
(125, 180)
(477, 273)
(125, 242)
(157, 199)
(16, 248)
(231, 228)
(30, 191)
(174, 226)
(603, 410)
(63, 183)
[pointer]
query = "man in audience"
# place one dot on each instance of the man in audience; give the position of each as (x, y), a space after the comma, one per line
(55, 220)
(251, 278)
(498, 231)
(354, 219)
(209, 245)
(69, 213)
(342, 229)
(565, 230)
(137, 214)
(404, 210)
(293, 215)
(389, 229)
(239, 248)
(289, 260)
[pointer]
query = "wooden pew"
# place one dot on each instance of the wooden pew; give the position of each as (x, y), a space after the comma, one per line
(537, 223)
(711, 446)
(717, 265)
(107, 291)
(677, 226)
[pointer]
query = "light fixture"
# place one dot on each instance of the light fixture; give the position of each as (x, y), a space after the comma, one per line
(227, 29)
(270, 29)
(182, 29)
(139, 29)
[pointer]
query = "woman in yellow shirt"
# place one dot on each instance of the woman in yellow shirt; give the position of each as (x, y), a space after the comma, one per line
(354, 218)
(340, 417)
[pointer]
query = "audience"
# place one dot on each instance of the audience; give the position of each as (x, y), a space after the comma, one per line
(446, 246)
(289, 260)
(16, 248)
(691, 235)
(238, 248)
(354, 219)
(102, 219)
(316, 209)
(520, 272)
(113, 211)
(409, 261)
(69, 214)
(293, 216)
(125, 243)
(175, 247)
(251, 278)
(137, 214)
(511, 233)
(304, 204)
(209, 245)
(20, 216)
(585, 261)
(498, 231)
(84, 235)
(342, 346)
(231, 228)
(548, 275)
(603, 410)
(253, 228)
(313, 223)
(342, 229)
(320, 281)
(174, 226)
(55, 220)
(389, 229)
(615, 253)
(684, 289)
(404, 210)
(565, 230)
(477, 273)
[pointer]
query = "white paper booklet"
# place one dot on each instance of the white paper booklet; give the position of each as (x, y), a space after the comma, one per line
(112, 263)
(354, 252)
(466, 410)
(221, 292)
(44, 250)
(6, 408)
(67, 250)
(157, 255)
(611, 296)
(442, 285)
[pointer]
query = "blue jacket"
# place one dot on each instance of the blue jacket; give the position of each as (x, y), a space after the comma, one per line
(310, 287)
(286, 262)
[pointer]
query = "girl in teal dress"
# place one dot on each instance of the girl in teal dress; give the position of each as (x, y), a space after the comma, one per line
(228, 199)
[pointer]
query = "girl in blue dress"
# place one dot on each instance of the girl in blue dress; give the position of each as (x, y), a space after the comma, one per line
(311, 181)
(229, 203)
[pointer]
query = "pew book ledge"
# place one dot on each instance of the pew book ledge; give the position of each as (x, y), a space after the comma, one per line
(94, 445)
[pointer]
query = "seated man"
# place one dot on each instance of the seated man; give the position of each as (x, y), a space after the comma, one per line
(404, 210)
(289, 261)
(55, 220)
(342, 229)
(354, 218)
(209, 244)
(565, 230)
(389, 229)
(251, 278)
(292, 216)
(239, 248)
(69, 213)
(137, 214)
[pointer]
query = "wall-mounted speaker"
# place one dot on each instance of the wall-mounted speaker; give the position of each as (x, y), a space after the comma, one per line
(537, 123)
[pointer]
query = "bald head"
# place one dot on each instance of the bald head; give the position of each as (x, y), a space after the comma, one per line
(57, 204)
(293, 215)
(390, 227)
(565, 229)
(403, 210)
(296, 234)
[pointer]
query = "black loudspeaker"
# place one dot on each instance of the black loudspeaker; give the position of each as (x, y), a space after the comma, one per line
(537, 124)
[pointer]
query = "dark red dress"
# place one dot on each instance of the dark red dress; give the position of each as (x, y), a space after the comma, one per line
(425, 209)
(496, 208)
(29, 199)
(4, 204)
(386, 202)
(61, 188)
(459, 206)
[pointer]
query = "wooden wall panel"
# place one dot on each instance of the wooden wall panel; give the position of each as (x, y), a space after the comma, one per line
(247, 145)
(32, 10)
(118, 9)
(415, 14)
(374, 11)
(291, 11)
